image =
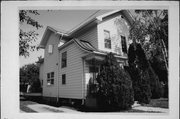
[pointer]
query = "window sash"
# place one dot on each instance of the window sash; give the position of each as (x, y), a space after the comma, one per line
(107, 39)
(64, 60)
(123, 43)
(50, 78)
(50, 49)
(108, 43)
(63, 79)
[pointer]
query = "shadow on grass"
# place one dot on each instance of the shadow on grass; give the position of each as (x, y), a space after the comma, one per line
(161, 103)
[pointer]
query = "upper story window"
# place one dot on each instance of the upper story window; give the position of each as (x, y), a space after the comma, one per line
(123, 43)
(64, 60)
(50, 78)
(50, 49)
(107, 39)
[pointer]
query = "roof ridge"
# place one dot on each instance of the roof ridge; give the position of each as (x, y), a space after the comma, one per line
(58, 29)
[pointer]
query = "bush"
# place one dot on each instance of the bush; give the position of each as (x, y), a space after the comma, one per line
(156, 88)
(36, 87)
(114, 86)
(166, 92)
(141, 85)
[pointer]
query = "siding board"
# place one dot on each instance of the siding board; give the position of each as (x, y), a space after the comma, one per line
(50, 65)
(74, 73)
(90, 36)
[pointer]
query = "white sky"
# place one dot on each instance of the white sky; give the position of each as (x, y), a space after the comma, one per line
(61, 19)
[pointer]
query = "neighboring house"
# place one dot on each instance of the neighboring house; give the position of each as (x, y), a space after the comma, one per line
(72, 58)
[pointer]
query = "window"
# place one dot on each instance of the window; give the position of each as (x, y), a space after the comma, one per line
(107, 39)
(50, 49)
(50, 78)
(64, 60)
(123, 43)
(64, 79)
(93, 69)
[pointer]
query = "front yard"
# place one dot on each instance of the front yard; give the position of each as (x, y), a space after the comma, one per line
(155, 106)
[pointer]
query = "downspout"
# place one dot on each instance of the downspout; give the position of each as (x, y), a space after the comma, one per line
(60, 38)
(83, 84)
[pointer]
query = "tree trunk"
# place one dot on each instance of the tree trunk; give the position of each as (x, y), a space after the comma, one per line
(165, 54)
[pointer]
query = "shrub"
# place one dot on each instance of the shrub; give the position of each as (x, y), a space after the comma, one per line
(156, 89)
(29, 74)
(114, 86)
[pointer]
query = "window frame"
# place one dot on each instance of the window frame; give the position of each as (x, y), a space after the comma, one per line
(123, 42)
(50, 48)
(50, 78)
(63, 79)
(107, 41)
(64, 60)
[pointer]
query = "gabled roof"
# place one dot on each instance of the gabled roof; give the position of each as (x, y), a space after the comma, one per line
(90, 22)
(48, 31)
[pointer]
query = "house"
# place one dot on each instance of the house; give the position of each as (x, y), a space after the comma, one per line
(72, 58)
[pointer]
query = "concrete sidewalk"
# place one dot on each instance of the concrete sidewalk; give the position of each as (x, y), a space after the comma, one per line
(46, 108)
(151, 109)
(139, 107)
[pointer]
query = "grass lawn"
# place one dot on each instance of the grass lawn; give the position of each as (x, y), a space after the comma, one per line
(162, 103)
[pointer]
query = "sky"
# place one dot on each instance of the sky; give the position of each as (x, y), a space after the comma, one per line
(61, 19)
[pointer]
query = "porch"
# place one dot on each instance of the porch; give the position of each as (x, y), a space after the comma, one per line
(92, 63)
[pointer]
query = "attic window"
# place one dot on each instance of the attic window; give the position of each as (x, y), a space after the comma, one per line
(107, 40)
(50, 49)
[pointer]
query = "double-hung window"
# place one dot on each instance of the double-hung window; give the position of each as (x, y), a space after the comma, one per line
(64, 60)
(107, 39)
(50, 78)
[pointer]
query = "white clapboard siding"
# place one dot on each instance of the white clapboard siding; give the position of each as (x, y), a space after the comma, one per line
(74, 87)
(90, 35)
(50, 65)
(115, 37)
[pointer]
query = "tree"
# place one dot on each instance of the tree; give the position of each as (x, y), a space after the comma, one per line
(151, 30)
(138, 66)
(26, 38)
(114, 85)
(141, 71)
(29, 74)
